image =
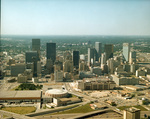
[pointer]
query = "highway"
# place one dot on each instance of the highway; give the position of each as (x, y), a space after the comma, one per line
(14, 115)
(86, 97)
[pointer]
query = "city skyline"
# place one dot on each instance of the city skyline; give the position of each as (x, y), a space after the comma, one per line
(81, 17)
(40, 75)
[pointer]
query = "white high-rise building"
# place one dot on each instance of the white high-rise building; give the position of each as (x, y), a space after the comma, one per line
(103, 59)
(110, 64)
(126, 51)
(132, 57)
(91, 55)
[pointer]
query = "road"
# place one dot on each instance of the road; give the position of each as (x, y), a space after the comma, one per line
(72, 91)
(14, 115)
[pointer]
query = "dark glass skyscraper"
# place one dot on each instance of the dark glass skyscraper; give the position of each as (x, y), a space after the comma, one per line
(29, 56)
(76, 59)
(91, 55)
(98, 47)
(32, 57)
(51, 51)
(109, 49)
(36, 46)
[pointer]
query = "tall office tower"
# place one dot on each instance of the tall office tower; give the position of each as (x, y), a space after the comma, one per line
(29, 56)
(126, 50)
(36, 46)
(67, 56)
(76, 59)
(132, 57)
(109, 49)
(98, 47)
(49, 66)
(132, 68)
(105, 69)
(58, 66)
(32, 57)
(131, 113)
(39, 69)
(91, 56)
(68, 66)
(83, 66)
(110, 64)
(103, 59)
(58, 76)
(51, 51)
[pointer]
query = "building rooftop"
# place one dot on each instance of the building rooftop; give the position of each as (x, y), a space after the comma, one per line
(69, 99)
(132, 109)
(56, 91)
(20, 94)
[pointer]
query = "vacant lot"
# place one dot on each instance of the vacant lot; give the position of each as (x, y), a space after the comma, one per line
(20, 110)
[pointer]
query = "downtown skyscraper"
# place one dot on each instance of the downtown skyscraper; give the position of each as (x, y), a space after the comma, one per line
(98, 47)
(126, 51)
(109, 49)
(76, 59)
(51, 51)
(91, 56)
(36, 46)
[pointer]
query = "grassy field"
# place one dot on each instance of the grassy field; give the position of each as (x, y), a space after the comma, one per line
(137, 106)
(82, 109)
(20, 110)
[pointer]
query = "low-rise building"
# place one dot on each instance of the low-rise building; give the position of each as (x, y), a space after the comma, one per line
(140, 73)
(20, 96)
(97, 106)
(65, 101)
(135, 87)
(96, 70)
(96, 84)
(17, 69)
(111, 102)
(11, 79)
(67, 75)
(86, 75)
(21, 78)
(125, 80)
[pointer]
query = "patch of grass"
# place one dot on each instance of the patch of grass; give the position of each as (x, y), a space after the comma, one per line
(137, 106)
(13, 89)
(20, 110)
(141, 108)
(29, 86)
(82, 109)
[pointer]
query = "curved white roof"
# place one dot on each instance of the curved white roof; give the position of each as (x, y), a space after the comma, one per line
(56, 91)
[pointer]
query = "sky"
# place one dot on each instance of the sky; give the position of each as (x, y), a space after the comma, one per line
(75, 17)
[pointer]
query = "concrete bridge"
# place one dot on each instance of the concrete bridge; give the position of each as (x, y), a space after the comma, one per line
(82, 116)
(14, 115)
